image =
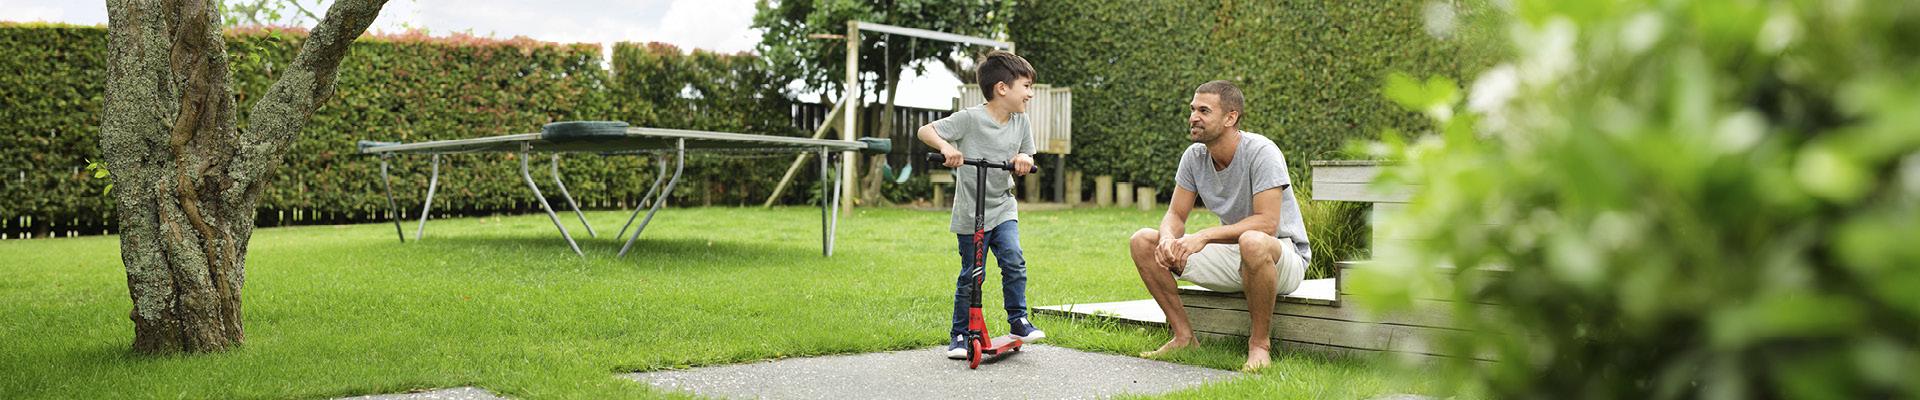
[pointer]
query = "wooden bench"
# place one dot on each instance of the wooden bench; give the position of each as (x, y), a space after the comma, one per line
(1322, 316)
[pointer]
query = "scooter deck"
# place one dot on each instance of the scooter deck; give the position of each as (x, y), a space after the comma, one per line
(1003, 344)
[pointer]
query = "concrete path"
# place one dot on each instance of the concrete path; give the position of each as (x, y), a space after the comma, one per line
(459, 393)
(1037, 372)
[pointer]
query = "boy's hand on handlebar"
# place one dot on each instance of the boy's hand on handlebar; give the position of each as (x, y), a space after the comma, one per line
(954, 158)
(1022, 164)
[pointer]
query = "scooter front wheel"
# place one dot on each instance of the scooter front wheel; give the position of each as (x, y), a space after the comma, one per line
(973, 354)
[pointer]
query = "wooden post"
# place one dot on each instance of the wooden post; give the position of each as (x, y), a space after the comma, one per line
(1123, 194)
(1060, 178)
(1103, 190)
(1032, 190)
(1145, 198)
(850, 186)
(1072, 187)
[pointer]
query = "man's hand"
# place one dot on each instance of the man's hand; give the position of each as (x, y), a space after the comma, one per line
(954, 158)
(1022, 164)
(1185, 246)
(1168, 256)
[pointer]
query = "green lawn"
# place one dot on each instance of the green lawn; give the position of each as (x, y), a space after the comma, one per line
(500, 303)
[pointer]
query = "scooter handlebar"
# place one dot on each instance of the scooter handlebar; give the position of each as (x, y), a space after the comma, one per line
(941, 159)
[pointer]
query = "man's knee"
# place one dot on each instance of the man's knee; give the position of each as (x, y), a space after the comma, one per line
(1258, 251)
(1145, 238)
(1256, 239)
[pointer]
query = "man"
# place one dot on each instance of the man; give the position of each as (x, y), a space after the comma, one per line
(1260, 248)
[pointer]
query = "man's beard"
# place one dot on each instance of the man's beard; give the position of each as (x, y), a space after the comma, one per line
(1203, 136)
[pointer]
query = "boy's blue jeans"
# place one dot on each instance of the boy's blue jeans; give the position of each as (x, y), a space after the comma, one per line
(1003, 242)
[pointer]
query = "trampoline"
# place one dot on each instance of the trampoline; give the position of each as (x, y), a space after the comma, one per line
(614, 138)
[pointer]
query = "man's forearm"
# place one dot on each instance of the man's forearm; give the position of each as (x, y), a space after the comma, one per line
(1231, 233)
(1172, 227)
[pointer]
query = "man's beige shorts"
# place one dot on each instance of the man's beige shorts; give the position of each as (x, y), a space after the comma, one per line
(1217, 267)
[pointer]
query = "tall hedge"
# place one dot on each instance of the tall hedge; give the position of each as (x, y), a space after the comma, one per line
(408, 88)
(412, 89)
(1310, 70)
(51, 80)
(658, 85)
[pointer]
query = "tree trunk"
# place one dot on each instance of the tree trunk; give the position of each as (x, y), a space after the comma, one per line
(186, 177)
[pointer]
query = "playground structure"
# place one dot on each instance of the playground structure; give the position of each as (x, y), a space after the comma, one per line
(1051, 109)
(616, 139)
(1051, 113)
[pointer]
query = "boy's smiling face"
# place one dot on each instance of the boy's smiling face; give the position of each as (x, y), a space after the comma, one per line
(1014, 97)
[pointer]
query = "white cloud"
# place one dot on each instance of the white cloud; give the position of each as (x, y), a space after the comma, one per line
(723, 26)
(72, 12)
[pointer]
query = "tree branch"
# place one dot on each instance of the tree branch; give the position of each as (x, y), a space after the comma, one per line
(303, 10)
(285, 109)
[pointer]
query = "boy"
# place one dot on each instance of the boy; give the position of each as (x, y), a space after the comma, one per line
(995, 131)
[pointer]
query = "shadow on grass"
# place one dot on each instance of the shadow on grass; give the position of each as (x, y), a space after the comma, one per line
(644, 251)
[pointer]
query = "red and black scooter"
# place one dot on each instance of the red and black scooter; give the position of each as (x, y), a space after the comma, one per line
(978, 346)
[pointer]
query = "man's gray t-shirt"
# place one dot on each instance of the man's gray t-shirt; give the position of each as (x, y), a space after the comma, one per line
(977, 135)
(1257, 166)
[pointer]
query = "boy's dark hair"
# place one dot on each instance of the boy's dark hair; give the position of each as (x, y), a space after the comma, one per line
(1001, 66)
(1230, 98)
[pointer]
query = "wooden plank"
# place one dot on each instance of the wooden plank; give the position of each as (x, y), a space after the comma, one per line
(1345, 174)
(1425, 312)
(1312, 291)
(927, 34)
(1347, 334)
(1349, 163)
(1335, 351)
(1361, 192)
(1233, 323)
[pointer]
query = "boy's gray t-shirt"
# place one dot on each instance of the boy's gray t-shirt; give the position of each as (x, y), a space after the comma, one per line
(974, 132)
(1257, 166)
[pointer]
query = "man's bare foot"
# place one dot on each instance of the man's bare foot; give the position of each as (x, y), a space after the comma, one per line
(1257, 358)
(1172, 345)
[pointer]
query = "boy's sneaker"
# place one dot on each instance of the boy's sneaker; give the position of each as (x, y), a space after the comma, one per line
(958, 349)
(1025, 330)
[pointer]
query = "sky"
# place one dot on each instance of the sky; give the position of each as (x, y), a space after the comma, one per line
(717, 25)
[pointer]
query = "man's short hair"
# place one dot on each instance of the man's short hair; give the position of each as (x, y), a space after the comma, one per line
(1001, 66)
(1230, 98)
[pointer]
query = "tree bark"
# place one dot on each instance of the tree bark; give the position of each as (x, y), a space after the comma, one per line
(186, 177)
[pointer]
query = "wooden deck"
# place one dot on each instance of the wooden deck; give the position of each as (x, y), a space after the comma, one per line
(1333, 321)
(1321, 316)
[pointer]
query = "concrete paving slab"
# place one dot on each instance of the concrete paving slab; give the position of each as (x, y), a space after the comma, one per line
(459, 393)
(1036, 372)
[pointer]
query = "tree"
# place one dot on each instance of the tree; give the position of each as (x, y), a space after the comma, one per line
(795, 41)
(798, 36)
(267, 12)
(186, 176)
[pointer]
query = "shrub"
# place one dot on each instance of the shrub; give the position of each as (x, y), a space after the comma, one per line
(1694, 199)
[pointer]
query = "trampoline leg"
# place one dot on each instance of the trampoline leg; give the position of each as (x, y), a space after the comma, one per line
(680, 164)
(426, 209)
(825, 250)
(658, 176)
(833, 224)
(387, 182)
(543, 203)
(569, 197)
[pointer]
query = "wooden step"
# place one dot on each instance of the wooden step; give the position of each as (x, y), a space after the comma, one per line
(1319, 317)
